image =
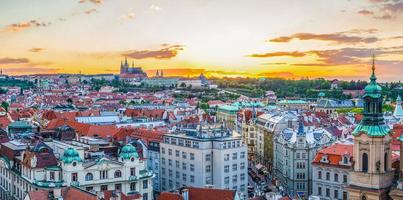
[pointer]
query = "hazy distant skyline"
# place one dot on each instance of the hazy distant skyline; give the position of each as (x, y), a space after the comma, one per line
(288, 38)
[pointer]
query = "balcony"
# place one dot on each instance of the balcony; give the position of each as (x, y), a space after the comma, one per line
(143, 175)
(50, 184)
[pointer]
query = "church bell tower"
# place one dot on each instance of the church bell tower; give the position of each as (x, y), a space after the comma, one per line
(372, 174)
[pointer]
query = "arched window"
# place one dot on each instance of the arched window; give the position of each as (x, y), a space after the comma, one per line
(364, 162)
(385, 162)
(118, 174)
(345, 160)
(89, 177)
(363, 197)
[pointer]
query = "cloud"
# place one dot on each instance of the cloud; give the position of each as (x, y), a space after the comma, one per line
(155, 8)
(277, 54)
(342, 56)
(24, 25)
(97, 2)
(167, 52)
(339, 38)
(128, 16)
(90, 11)
(30, 70)
(286, 75)
(365, 12)
(36, 49)
(13, 60)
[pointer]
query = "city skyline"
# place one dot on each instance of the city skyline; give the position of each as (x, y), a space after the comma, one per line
(288, 39)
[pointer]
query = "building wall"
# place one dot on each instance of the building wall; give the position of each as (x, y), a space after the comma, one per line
(204, 165)
(331, 188)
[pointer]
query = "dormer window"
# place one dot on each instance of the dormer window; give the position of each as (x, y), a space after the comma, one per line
(324, 159)
(345, 160)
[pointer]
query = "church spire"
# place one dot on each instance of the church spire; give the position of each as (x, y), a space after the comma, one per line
(126, 61)
(373, 77)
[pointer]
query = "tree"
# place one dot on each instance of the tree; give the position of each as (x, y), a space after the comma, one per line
(69, 101)
(182, 85)
(5, 105)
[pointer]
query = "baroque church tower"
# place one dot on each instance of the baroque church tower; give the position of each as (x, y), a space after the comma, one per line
(372, 174)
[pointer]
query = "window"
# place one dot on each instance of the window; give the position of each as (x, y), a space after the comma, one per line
(234, 156)
(177, 153)
(133, 186)
(208, 168)
(180, 142)
(234, 167)
(226, 180)
(242, 177)
(177, 164)
(184, 177)
(173, 141)
(192, 178)
(344, 178)
(300, 175)
(184, 166)
(336, 194)
(184, 155)
(162, 150)
(319, 175)
(52, 176)
(133, 171)
(145, 184)
(170, 152)
(163, 161)
(300, 165)
(320, 191)
(303, 155)
(344, 195)
(364, 162)
(327, 176)
(104, 187)
(242, 166)
(145, 196)
(192, 167)
(345, 160)
(192, 156)
(234, 178)
(74, 177)
(242, 155)
(187, 143)
(196, 145)
(208, 157)
(170, 172)
(169, 162)
(226, 168)
(177, 174)
(327, 192)
(385, 162)
(118, 174)
(89, 177)
(89, 188)
(298, 155)
(118, 187)
(163, 171)
(226, 157)
(103, 174)
(336, 177)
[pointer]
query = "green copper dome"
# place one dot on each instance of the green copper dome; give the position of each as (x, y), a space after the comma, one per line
(373, 123)
(128, 151)
(70, 155)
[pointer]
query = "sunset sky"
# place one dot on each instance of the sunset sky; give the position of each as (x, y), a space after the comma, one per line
(265, 38)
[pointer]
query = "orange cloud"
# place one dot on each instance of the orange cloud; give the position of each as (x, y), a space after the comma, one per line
(167, 52)
(277, 54)
(13, 60)
(24, 25)
(36, 50)
(340, 38)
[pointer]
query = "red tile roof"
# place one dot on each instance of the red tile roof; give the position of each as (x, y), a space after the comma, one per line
(210, 194)
(169, 196)
(334, 154)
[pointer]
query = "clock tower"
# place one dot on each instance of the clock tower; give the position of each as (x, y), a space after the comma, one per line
(372, 175)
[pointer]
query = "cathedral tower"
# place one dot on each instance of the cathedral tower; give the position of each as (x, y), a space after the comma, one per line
(372, 174)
